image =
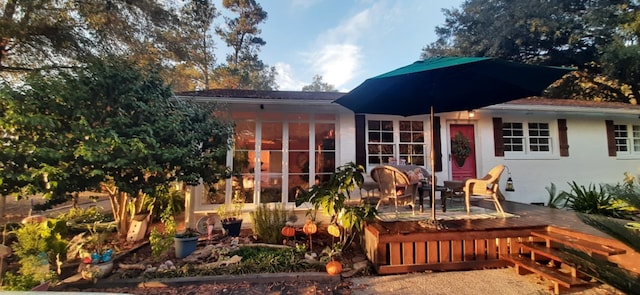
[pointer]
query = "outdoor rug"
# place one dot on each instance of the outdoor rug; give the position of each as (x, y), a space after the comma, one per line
(388, 214)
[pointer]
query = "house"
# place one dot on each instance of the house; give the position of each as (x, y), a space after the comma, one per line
(290, 139)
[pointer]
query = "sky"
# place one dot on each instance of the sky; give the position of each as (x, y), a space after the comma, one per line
(344, 41)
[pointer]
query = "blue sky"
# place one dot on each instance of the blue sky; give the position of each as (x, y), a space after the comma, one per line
(344, 41)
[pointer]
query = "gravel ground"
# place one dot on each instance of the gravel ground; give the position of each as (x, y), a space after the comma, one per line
(490, 281)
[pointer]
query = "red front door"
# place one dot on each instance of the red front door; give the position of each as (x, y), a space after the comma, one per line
(462, 153)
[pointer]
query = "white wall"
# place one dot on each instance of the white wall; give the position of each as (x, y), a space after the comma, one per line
(588, 161)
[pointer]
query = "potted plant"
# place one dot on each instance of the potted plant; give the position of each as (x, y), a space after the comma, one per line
(460, 148)
(230, 216)
(186, 242)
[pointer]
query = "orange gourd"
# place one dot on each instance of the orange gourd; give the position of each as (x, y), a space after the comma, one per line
(334, 267)
(333, 230)
(288, 231)
(310, 228)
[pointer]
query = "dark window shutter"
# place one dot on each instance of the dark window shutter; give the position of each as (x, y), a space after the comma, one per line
(437, 144)
(562, 136)
(498, 142)
(361, 145)
(611, 138)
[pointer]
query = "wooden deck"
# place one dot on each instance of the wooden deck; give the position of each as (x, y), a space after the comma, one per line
(403, 247)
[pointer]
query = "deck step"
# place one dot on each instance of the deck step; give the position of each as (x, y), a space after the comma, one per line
(556, 276)
(585, 246)
(542, 250)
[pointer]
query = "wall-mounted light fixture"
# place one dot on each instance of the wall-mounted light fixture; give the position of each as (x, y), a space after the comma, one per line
(509, 187)
(471, 113)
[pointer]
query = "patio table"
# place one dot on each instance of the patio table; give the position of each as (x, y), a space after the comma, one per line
(439, 188)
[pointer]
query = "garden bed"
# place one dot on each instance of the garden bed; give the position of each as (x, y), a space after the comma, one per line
(139, 265)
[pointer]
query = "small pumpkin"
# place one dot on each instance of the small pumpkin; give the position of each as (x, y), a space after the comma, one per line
(333, 230)
(310, 228)
(334, 267)
(288, 231)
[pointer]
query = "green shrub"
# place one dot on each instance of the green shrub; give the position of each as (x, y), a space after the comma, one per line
(163, 198)
(162, 241)
(268, 222)
(18, 282)
(38, 246)
(592, 200)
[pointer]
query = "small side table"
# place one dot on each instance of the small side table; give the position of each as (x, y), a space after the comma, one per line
(426, 189)
(455, 189)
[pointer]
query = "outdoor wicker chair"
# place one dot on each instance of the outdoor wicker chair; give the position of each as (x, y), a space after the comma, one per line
(486, 186)
(394, 185)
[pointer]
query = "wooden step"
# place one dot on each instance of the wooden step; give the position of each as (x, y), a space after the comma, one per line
(550, 253)
(538, 250)
(554, 275)
(585, 246)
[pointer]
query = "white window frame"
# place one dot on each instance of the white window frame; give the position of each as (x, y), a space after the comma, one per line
(259, 120)
(631, 140)
(396, 136)
(527, 152)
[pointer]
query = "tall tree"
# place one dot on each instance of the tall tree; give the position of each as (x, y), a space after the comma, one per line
(244, 69)
(319, 85)
(51, 33)
(554, 32)
(198, 46)
(100, 127)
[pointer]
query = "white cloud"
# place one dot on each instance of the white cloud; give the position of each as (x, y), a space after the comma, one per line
(336, 63)
(338, 56)
(285, 78)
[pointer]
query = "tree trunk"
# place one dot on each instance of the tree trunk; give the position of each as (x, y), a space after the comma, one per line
(3, 205)
(75, 197)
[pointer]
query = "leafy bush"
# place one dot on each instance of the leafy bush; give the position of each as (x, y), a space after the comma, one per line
(37, 245)
(592, 200)
(18, 282)
(163, 198)
(161, 242)
(332, 196)
(268, 222)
